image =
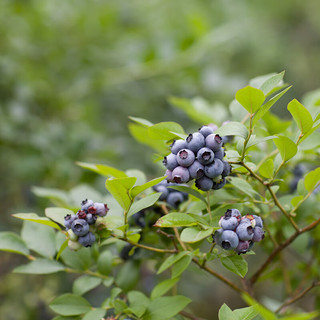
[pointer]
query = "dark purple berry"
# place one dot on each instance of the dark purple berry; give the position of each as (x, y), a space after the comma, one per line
(185, 158)
(101, 209)
(214, 142)
(242, 247)
(204, 183)
(81, 214)
(196, 170)
(258, 234)
(205, 156)
(259, 222)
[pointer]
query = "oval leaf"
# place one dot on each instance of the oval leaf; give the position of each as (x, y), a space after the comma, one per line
(35, 218)
(236, 264)
(286, 146)
(175, 219)
(40, 266)
(195, 234)
(11, 242)
(250, 98)
(233, 129)
(301, 116)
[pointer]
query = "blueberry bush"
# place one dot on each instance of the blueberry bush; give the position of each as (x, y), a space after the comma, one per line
(238, 200)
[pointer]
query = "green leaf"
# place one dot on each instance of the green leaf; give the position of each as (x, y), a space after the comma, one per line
(175, 219)
(57, 196)
(163, 287)
(302, 316)
(138, 302)
(84, 284)
(296, 200)
(191, 191)
(57, 214)
(235, 264)
(261, 310)
(104, 262)
(248, 313)
(164, 308)
(180, 266)
(40, 266)
(267, 169)
(70, 304)
(166, 131)
(141, 121)
(63, 246)
(312, 179)
(272, 82)
(11, 242)
(102, 169)
(286, 146)
(243, 186)
(225, 313)
(265, 108)
(95, 314)
(66, 318)
(233, 129)
(119, 188)
(39, 238)
(250, 98)
(143, 203)
(128, 275)
(79, 260)
(138, 189)
(35, 218)
(171, 260)
(301, 116)
(195, 234)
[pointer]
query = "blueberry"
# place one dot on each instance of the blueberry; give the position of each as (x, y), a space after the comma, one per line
(204, 183)
(233, 213)
(299, 170)
(226, 139)
(205, 156)
(219, 154)
(242, 247)
(87, 240)
(169, 175)
(170, 161)
(217, 236)
(80, 227)
(91, 218)
(214, 169)
(229, 240)
(219, 184)
(185, 158)
(125, 252)
(214, 142)
(177, 145)
(164, 191)
(101, 209)
(68, 219)
(85, 204)
(249, 218)
(259, 222)
(228, 223)
(226, 168)
(175, 198)
(81, 214)
(139, 219)
(258, 234)
(195, 141)
(206, 130)
(244, 231)
(180, 175)
(196, 170)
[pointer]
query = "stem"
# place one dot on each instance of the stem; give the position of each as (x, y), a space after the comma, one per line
(247, 139)
(189, 315)
(208, 206)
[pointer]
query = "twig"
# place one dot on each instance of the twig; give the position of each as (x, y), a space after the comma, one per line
(189, 315)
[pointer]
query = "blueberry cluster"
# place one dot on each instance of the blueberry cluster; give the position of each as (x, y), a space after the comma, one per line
(78, 225)
(200, 157)
(238, 233)
(171, 196)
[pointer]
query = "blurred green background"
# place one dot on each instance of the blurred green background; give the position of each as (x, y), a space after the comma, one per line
(71, 72)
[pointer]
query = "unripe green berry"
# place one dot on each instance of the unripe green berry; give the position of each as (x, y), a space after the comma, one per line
(72, 235)
(74, 245)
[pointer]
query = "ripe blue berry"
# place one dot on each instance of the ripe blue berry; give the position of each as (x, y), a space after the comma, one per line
(80, 227)
(195, 141)
(91, 218)
(205, 156)
(244, 231)
(175, 198)
(87, 240)
(228, 223)
(101, 209)
(214, 142)
(170, 161)
(229, 240)
(196, 170)
(258, 234)
(185, 158)
(226, 168)
(219, 184)
(259, 222)
(164, 190)
(177, 145)
(180, 175)
(233, 213)
(68, 219)
(206, 130)
(204, 183)
(214, 169)
(219, 154)
(85, 204)
(242, 247)
(217, 236)
(169, 175)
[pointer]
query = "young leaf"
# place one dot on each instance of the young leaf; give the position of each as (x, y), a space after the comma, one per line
(57, 214)
(195, 234)
(312, 179)
(250, 98)
(165, 131)
(143, 203)
(69, 305)
(191, 191)
(233, 129)
(286, 146)
(141, 121)
(248, 313)
(261, 310)
(11, 242)
(267, 169)
(163, 287)
(138, 302)
(301, 116)
(175, 219)
(180, 266)
(84, 284)
(95, 314)
(119, 188)
(171, 260)
(40, 266)
(57, 196)
(243, 186)
(225, 313)
(272, 82)
(102, 169)
(236, 264)
(35, 218)
(138, 189)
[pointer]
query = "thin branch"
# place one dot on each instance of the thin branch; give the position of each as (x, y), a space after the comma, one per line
(190, 316)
